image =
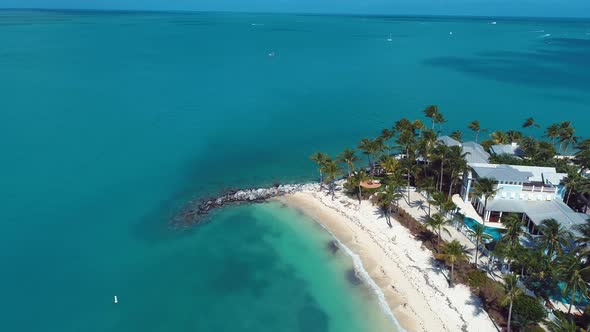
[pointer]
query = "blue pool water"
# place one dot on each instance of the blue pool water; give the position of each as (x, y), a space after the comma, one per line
(493, 232)
(558, 296)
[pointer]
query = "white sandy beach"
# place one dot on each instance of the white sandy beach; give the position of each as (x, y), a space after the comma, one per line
(415, 288)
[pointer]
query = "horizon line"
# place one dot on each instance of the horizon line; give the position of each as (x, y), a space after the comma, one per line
(187, 11)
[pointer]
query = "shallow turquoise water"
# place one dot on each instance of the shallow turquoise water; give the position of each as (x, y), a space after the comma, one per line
(110, 121)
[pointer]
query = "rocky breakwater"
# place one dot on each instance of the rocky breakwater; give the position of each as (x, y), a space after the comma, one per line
(193, 211)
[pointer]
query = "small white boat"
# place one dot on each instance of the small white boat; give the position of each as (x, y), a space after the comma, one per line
(389, 39)
(271, 54)
(450, 33)
(116, 300)
(494, 23)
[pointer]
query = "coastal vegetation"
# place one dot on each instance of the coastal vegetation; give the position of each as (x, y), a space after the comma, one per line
(410, 155)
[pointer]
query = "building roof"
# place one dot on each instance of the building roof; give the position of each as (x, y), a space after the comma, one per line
(553, 178)
(475, 153)
(536, 171)
(510, 149)
(449, 141)
(500, 172)
(540, 210)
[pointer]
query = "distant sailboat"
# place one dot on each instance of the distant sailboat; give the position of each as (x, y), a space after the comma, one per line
(116, 300)
(389, 39)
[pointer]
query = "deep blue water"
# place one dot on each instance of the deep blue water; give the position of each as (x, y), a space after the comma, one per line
(110, 121)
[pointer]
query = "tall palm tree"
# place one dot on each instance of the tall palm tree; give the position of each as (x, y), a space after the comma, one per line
(499, 137)
(389, 164)
(386, 135)
(582, 156)
(441, 153)
(369, 148)
(554, 237)
(440, 119)
(530, 123)
(571, 181)
(567, 136)
(427, 185)
(552, 132)
(457, 165)
(389, 195)
(454, 252)
(418, 125)
(478, 232)
(513, 229)
(430, 112)
(411, 169)
(475, 127)
(584, 229)
(572, 272)
(514, 136)
(486, 188)
(319, 158)
(349, 158)
(425, 145)
(457, 135)
(512, 293)
(438, 223)
(332, 171)
(356, 179)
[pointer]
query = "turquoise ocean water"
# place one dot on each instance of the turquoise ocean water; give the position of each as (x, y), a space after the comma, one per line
(110, 121)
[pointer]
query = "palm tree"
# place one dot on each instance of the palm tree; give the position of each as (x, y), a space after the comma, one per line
(499, 137)
(457, 135)
(454, 252)
(369, 148)
(427, 184)
(561, 324)
(480, 236)
(566, 136)
(389, 164)
(387, 197)
(552, 132)
(514, 136)
(485, 187)
(386, 136)
(512, 293)
(332, 171)
(583, 155)
(430, 112)
(530, 123)
(571, 271)
(554, 237)
(440, 119)
(571, 181)
(441, 152)
(356, 179)
(475, 127)
(411, 169)
(419, 126)
(425, 146)
(584, 230)
(457, 165)
(437, 223)
(319, 158)
(349, 158)
(513, 229)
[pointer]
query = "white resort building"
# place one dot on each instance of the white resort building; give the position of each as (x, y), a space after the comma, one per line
(534, 193)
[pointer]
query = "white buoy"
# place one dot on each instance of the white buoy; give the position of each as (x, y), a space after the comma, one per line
(450, 33)
(116, 300)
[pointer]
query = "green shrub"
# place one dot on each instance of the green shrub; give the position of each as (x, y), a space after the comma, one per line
(491, 292)
(477, 279)
(534, 328)
(527, 310)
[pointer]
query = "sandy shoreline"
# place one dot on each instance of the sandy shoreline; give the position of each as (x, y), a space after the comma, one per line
(414, 287)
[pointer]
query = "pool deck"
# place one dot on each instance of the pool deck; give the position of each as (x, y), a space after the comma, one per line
(469, 211)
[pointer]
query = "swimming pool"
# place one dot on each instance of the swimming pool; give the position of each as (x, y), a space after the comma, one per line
(493, 232)
(558, 296)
